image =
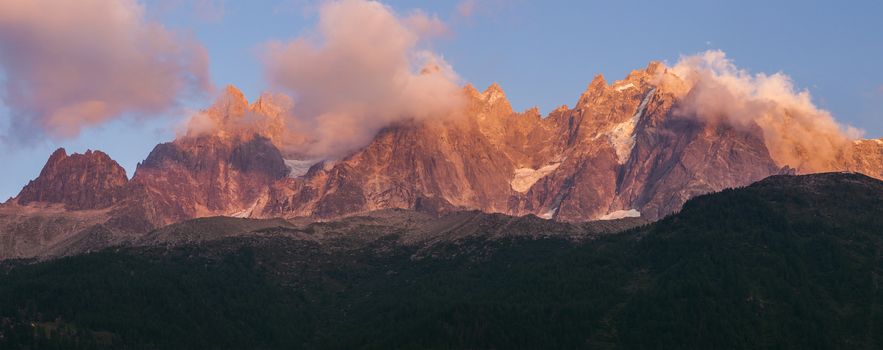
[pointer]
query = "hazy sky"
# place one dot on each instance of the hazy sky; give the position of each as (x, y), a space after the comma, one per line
(543, 53)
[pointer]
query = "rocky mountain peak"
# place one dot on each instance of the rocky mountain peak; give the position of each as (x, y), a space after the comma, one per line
(79, 181)
(207, 175)
(641, 80)
(654, 67)
(235, 94)
(494, 93)
(270, 104)
(231, 103)
(56, 157)
(489, 105)
(495, 99)
(268, 114)
(231, 118)
(595, 89)
(471, 91)
(494, 88)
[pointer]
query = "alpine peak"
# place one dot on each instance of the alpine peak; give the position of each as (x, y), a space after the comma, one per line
(593, 90)
(471, 91)
(90, 180)
(496, 98)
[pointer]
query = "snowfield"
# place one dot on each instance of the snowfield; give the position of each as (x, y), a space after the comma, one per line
(619, 214)
(524, 178)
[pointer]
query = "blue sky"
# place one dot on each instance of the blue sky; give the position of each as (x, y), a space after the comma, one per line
(542, 54)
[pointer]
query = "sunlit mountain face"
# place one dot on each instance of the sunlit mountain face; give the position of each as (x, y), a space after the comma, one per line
(373, 197)
(636, 147)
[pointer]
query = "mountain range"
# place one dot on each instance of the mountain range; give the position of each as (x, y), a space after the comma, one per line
(625, 149)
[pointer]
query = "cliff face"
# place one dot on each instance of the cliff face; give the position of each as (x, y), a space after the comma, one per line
(205, 176)
(222, 167)
(464, 162)
(619, 152)
(79, 181)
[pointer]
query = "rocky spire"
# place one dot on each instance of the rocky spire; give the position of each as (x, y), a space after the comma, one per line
(471, 91)
(268, 117)
(595, 89)
(271, 104)
(496, 99)
(230, 104)
(655, 67)
(223, 117)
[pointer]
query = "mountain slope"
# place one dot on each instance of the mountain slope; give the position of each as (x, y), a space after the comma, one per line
(784, 263)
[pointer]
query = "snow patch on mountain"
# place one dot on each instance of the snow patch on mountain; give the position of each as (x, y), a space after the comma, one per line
(549, 215)
(624, 87)
(859, 142)
(299, 167)
(622, 136)
(247, 212)
(524, 178)
(619, 214)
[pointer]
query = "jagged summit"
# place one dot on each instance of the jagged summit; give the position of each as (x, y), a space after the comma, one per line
(493, 89)
(91, 180)
(271, 104)
(655, 67)
(598, 81)
(488, 105)
(470, 90)
(638, 81)
(593, 90)
(230, 117)
(494, 94)
(231, 103)
(233, 91)
(57, 156)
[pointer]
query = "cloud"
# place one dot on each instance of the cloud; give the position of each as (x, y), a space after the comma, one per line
(425, 26)
(466, 8)
(361, 69)
(796, 132)
(198, 10)
(73, 64)
(470, 8)
(210, 10)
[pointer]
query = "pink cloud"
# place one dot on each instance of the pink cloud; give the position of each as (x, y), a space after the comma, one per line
(425, 26)
(796, 131)
(466, 8)
(361, 70)
(75, 64)
(210, 10)
(470, 8)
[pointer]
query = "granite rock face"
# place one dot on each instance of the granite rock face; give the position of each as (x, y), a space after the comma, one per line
(620, 151)
(78, 181)
(205, 176)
